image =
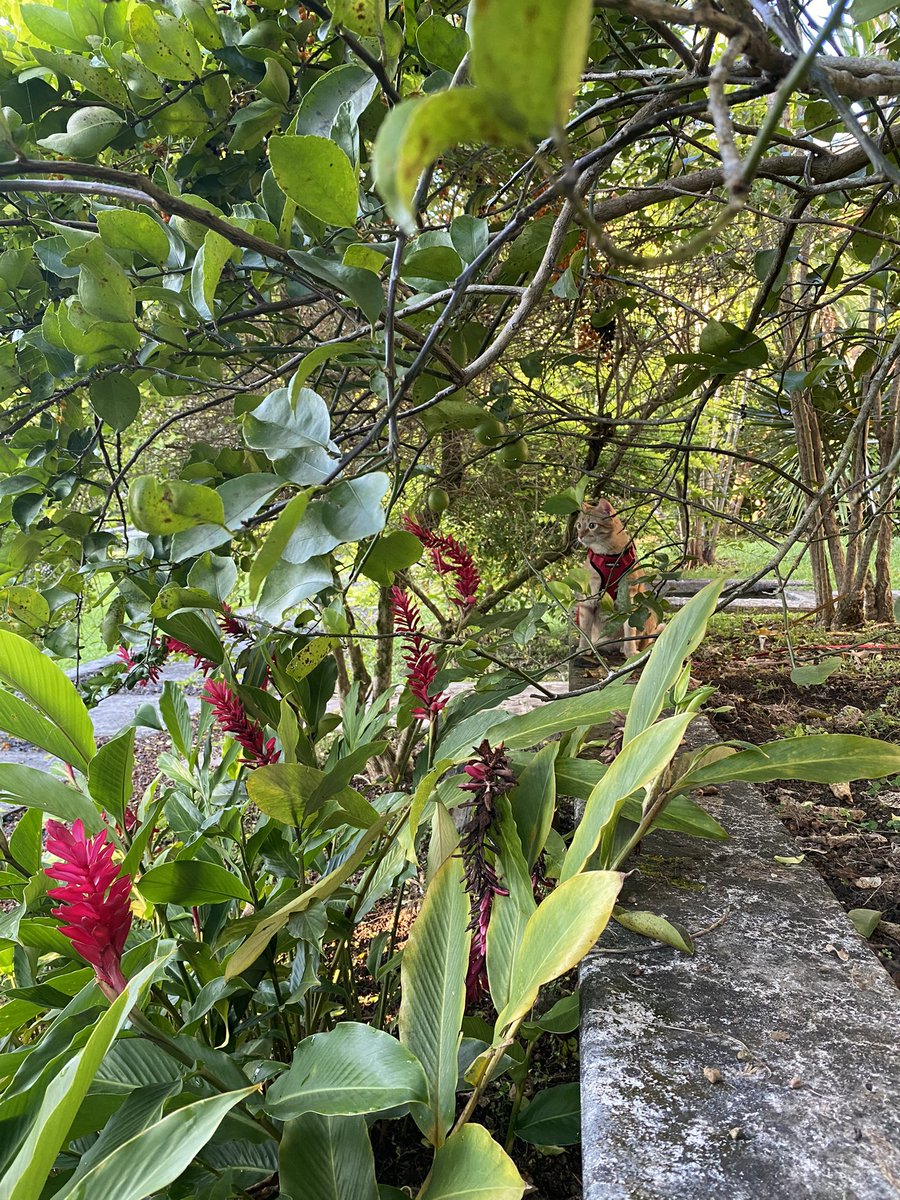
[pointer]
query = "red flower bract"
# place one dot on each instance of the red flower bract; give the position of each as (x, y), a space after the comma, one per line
(490, 776)
(93, 900)
(233, 718)
(148, 663)
(421, 665)
(450, 557)
(173, 646)
(233, 626)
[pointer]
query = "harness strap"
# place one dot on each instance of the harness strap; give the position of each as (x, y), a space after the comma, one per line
(612, 568)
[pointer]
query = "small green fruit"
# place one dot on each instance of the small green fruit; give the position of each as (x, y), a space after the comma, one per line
(438, 500)
(489, 431)
(514, 454)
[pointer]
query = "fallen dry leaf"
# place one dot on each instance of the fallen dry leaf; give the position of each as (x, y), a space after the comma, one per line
(712, 1074)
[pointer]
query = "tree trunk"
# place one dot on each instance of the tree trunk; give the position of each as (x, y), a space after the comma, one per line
(384, 649)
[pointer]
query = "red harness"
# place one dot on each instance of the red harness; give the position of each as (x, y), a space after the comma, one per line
(612, 568)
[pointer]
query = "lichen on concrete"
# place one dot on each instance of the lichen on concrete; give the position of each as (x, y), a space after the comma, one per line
(763, 1068)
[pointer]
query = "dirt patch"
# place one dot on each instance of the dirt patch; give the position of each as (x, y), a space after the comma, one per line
(851, 834)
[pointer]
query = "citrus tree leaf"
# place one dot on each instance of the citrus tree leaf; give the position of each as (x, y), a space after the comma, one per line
(172, 506)
(316, 174)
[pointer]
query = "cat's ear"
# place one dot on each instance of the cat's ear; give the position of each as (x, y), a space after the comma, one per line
(604, 508)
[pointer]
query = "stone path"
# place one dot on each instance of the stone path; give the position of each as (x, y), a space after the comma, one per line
(763, 1068)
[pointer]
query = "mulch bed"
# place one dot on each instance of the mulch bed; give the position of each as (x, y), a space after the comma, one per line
(850, 834)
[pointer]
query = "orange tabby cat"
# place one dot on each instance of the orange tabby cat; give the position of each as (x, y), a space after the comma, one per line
(611, 560)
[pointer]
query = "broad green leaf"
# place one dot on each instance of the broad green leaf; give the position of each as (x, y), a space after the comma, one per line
(353, 1070)
(563, 1017)
(288, 419)
(110, 773)
(50, 713)
(25, 605)
(347, 88)
(658, 929)
(115, 398)
(328, 351)
(171, 506)
(578, 777)
(165, 44)
(249, 951)
(816, 758)
(289, 584)
(433, 993)
(316, 174)
(510, 913)
(391, 553)
(173, 708)
(286, 792)
(533, 801)
(326, 1158)
(416, 132)
(88, 130)
(558, 936)
(471, 1164)
(532, 77)
(156, 1156)
(173, 599)
(102, 82)
(553, 1118)
(209, 262)
(189, 882)
(351, 510)
(29, 1171)
(123, 229)
(681, 636)
(51, 26)
(865, 920)
(441, 43)
(103, 287)
(360, 16)
(470, 236)
(527, 729)
(814, 673)
(143, 1107)
(308, 658)
(36, 789)
(642, 760)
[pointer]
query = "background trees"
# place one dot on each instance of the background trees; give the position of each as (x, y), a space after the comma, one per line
(642, 246)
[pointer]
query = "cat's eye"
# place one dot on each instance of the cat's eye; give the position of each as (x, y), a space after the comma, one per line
(592, 524)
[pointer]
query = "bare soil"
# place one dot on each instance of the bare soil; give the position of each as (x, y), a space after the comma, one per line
(850, 834)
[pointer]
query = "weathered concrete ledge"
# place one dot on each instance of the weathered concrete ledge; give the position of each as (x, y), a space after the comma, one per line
(765, 1067)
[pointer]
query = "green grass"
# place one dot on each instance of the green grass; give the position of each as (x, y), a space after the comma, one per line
(740, 557)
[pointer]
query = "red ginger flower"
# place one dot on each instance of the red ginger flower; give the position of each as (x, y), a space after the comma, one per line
(94, 901)
(490, 776)
(175, 647)
(234, 626)
(421, 665)
(450, 557)
(233, 718)
(149, 662)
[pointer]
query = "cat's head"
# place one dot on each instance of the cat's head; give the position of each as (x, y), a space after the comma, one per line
(595, 524)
